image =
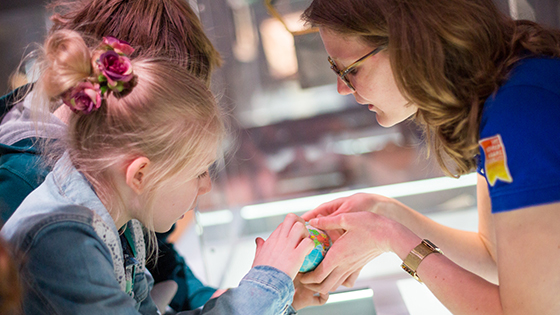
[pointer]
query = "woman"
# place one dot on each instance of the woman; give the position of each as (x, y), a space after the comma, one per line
(485, 90)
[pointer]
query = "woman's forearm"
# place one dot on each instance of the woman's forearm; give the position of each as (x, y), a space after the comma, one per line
(460, 290)
(465, 248)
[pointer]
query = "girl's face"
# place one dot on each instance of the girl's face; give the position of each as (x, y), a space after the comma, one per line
(177, 196)
(372, 79)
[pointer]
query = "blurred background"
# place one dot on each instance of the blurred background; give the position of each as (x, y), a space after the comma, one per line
(295, 143)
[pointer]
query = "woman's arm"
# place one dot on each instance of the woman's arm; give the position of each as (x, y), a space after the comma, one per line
(470, 250)
(528, 247)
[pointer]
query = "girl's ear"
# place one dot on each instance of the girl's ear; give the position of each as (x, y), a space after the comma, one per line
(136, 173)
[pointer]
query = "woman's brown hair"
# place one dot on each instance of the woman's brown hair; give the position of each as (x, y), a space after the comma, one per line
(448, 57)
(155, 28)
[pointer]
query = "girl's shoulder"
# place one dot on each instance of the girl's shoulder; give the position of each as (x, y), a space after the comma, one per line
(26, 229)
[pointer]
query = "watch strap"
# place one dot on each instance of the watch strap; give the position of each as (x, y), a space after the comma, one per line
(415, 257)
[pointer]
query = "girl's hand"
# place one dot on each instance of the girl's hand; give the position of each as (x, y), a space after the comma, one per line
(305, 297)
(286, 247)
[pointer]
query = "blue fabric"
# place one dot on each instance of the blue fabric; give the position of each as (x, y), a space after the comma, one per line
(6, 101)
(191, 292)
(20, 173)
(525, 112)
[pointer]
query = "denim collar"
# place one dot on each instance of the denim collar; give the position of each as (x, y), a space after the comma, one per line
(77, 189)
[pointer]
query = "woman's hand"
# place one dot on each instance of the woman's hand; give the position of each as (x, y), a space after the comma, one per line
(286, 247)
(305, 297)
(365, 236)
(355, 203)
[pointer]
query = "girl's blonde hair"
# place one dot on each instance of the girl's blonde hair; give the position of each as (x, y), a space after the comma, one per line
(169, 116)
(447, 56)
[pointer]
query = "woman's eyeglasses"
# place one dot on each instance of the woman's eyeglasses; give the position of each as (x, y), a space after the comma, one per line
(344, 72)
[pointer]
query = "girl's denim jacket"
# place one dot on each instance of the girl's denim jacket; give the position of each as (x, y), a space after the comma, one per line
(72, 259)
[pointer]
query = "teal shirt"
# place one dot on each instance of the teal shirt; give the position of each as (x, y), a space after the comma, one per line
(20, 164)
(20, 174)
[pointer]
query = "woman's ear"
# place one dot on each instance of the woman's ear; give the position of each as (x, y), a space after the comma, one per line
(136, 173)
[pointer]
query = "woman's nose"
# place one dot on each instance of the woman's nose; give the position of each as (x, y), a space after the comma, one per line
(342, 88)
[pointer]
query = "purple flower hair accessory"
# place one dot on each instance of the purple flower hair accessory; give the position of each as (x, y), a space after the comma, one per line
(119, 46)
(83, 98)
(112, 72)
(116, 69)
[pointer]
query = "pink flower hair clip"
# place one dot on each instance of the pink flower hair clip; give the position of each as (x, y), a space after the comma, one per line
(83, 98)
(112, 72)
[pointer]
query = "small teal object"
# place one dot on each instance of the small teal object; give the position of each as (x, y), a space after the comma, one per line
(322, 244)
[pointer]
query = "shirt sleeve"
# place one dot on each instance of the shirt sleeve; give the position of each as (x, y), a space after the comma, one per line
(264, 290)
(68, 270)
(526, 118)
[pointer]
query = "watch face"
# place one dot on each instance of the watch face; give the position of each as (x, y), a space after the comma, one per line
(430, 244)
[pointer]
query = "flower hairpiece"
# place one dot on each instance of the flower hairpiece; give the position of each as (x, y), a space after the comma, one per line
(112, 72)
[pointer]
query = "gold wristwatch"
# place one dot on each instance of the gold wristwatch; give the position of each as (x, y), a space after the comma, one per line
(415, 257)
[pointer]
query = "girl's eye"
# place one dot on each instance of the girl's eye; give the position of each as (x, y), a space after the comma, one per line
(203, 175)
(353, 71)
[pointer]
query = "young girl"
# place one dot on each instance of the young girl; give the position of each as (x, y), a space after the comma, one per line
(155, 28)
(140, 139)
(486, 90)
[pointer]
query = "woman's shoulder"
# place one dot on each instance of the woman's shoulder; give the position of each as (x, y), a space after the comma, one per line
(533, 81)
(528, 101)
(542, 72)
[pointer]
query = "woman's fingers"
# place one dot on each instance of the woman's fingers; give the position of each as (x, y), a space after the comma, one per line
(351, 280)
(335, 222)
(325, 209)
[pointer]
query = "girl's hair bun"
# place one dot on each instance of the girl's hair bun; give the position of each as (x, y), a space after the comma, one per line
(67, 62)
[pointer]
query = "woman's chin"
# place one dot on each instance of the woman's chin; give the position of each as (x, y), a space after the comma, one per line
(383, 121)
(386, 122)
